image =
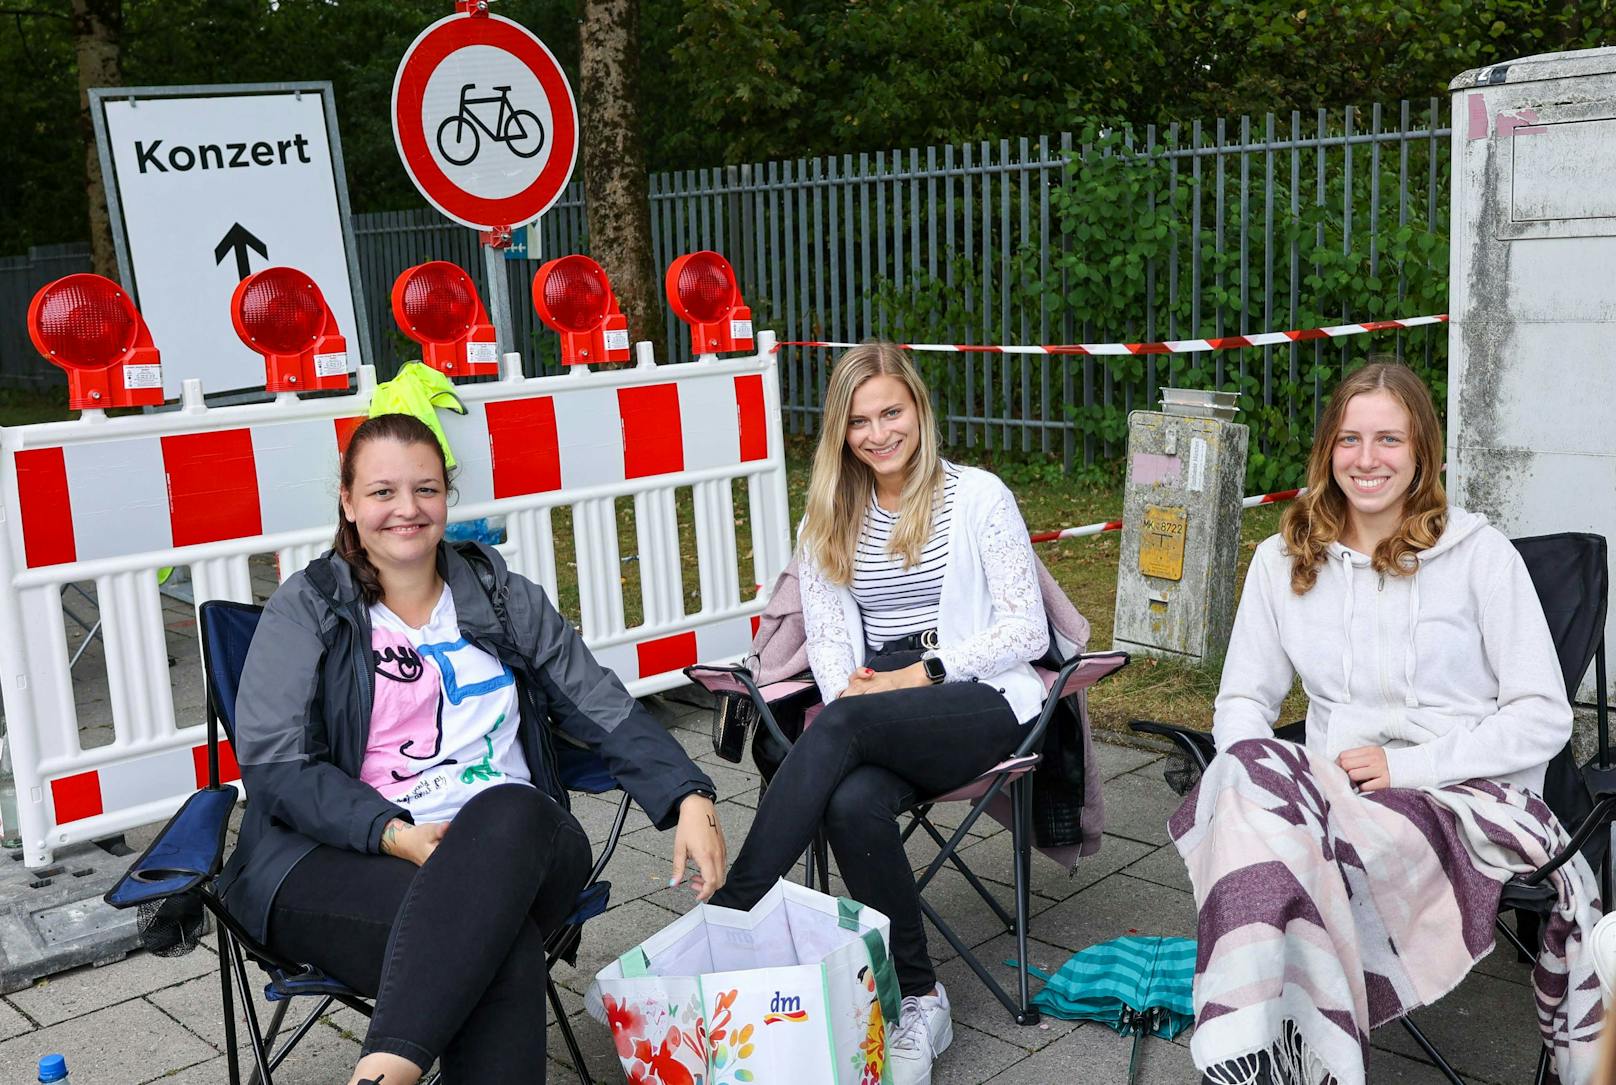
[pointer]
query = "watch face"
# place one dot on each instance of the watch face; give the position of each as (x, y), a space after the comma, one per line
(934, 668)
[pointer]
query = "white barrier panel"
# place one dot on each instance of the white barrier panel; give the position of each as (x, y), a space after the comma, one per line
(114, 500)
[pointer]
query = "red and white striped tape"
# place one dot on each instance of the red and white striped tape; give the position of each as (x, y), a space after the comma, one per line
(1116, 525)
(1171, 346)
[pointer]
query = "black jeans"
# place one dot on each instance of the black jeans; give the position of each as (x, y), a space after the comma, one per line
(861, 763)
(452, 951)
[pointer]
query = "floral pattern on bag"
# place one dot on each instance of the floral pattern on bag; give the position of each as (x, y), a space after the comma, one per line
(657, 1046)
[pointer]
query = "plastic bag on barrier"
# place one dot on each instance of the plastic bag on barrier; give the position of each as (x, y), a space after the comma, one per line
(800, 988)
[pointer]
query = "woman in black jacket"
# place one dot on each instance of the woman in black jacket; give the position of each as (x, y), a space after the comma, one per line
(407, 832)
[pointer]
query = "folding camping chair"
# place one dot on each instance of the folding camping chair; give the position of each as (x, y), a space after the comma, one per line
(1011, 776)
(174, 877)
(1571, 574)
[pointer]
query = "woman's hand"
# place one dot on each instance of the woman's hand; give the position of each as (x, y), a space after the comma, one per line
(413, 842)
(698, 839)
(1366, 767)
(864, 680)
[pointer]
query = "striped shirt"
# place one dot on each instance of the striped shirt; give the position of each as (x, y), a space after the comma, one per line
(893, 601)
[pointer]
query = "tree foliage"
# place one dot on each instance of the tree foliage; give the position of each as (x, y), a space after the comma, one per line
(739, 80)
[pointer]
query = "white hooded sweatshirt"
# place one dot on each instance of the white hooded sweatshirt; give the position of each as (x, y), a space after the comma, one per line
(1451, 669)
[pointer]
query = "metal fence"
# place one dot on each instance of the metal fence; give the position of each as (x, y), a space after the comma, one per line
(1265, 223)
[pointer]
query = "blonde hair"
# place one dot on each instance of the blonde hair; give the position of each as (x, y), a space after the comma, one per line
(1318, 517)
(839, 488)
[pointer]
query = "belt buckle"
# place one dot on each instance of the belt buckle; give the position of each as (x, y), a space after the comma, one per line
(928, 640)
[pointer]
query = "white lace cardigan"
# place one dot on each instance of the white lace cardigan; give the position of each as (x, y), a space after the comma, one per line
(990, 619)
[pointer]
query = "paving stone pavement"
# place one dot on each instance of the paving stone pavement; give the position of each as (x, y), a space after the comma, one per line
(146, 1019)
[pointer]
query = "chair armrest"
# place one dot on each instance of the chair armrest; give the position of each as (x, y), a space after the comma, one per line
(188, 851)
(1603, 813)
(1197, 745)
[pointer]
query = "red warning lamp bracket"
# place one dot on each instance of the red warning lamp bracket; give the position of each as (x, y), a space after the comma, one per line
(88, 326)
(281, 314)
(572, 295)
(702, 291)
(436, 304)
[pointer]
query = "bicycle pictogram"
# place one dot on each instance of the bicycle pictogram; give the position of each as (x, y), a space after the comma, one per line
(460, 137)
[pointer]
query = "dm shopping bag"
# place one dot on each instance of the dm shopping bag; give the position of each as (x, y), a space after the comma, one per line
(800, 988)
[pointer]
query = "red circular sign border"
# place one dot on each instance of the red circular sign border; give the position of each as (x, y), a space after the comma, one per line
(409, 88)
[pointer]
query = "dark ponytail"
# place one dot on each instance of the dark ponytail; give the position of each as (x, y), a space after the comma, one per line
(406, 429)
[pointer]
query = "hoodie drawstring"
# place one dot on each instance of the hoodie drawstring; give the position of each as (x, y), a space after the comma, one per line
(1346, 628)
(1409, 700)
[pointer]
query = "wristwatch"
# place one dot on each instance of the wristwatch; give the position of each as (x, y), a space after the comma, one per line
(934, 666)
(705, 792)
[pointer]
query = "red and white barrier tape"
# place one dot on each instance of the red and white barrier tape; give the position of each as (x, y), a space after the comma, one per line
(1116, 525)
(1172, 346)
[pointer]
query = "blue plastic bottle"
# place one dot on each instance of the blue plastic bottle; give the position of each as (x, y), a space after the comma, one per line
(52, 1068)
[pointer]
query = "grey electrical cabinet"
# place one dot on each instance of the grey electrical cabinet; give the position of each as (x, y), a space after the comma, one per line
(1181, 527)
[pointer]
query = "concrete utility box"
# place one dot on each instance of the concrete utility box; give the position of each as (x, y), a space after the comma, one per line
(1532, 344)
(1181, 527)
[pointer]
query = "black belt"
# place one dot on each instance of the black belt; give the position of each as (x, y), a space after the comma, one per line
(926, 639)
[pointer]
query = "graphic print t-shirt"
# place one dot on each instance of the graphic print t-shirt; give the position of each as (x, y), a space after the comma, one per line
(444, 723)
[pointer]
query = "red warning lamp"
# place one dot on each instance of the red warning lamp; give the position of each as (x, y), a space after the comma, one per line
(572, 295)
(87, 326)
(436, 304)
(701, 288)
(281, 314)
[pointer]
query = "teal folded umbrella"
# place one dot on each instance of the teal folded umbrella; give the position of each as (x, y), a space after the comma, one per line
(1137, 985)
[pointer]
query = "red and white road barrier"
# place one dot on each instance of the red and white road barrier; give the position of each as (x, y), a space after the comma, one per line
(1171, 346)
(1116, 525)
(115, 499)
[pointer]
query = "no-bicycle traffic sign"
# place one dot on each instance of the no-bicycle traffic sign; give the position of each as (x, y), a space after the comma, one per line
(485, 121)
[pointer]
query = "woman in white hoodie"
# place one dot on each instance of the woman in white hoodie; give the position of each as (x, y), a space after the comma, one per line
(922, 610)
(1343, 884)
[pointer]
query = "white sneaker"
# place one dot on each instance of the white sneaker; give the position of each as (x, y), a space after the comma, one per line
(1602, 947)
(924, 1031)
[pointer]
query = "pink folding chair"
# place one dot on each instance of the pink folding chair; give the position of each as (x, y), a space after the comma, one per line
(1011, 777)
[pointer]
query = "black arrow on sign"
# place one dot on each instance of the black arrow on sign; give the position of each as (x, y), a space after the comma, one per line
(239, 238)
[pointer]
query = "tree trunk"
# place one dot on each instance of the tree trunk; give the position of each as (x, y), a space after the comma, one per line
(98, 45)
(616, 194)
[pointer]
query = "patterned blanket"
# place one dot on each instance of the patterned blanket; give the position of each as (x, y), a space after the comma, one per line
(1324, 912)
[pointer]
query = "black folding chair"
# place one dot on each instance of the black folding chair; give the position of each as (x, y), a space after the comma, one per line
(1570, 572)
(1012, 776)
(172, 882)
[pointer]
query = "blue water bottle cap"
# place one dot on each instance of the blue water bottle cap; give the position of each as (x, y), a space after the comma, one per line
(53, 1068)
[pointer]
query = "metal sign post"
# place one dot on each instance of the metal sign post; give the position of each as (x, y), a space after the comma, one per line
(487, 128)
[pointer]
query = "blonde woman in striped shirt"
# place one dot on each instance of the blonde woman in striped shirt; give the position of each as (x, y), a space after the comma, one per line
(923, 615)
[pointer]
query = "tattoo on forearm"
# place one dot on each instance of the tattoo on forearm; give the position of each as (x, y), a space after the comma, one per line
(712, 823)
(390, 835)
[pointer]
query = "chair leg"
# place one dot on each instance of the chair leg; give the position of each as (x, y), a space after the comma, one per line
(255, 1037)
(1542, 1075)
(565, 1026)
(994, 987)
(821, 848)
(1018, 843)
(232, 1060)
(966, 872)
(1431, 1052)
(274, 1030)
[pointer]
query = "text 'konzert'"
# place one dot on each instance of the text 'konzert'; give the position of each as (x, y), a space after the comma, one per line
(219, 156)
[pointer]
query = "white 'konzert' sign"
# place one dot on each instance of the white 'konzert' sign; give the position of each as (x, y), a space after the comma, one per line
(209, 185)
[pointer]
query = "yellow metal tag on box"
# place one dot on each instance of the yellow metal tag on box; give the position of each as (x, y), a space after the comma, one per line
(1161, 543)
